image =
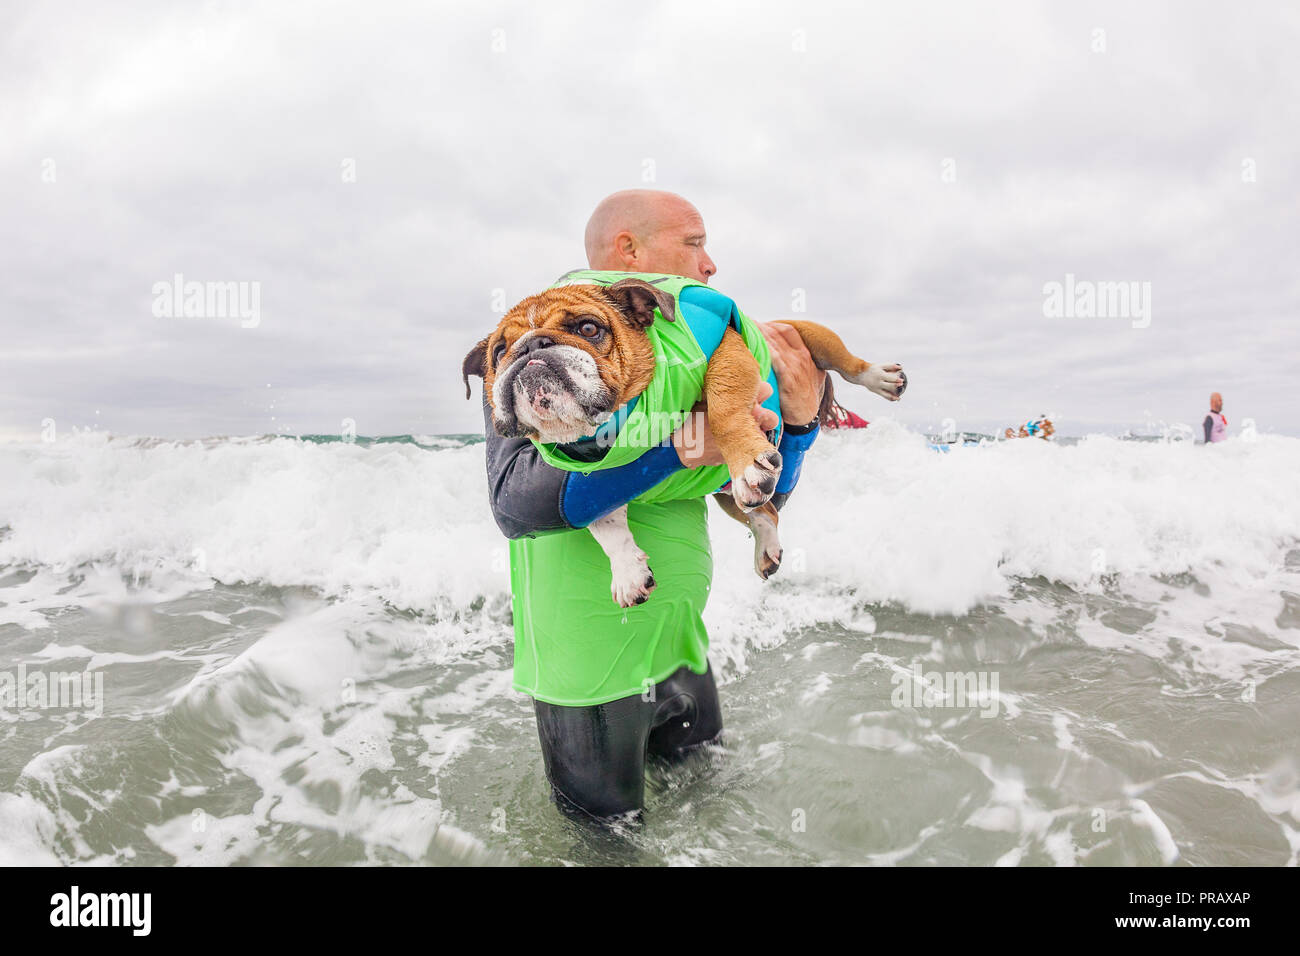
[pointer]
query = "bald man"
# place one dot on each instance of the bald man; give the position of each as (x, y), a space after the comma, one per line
(595, 741)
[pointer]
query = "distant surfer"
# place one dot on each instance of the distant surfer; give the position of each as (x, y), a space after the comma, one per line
(1040, 427)
(1216, 426)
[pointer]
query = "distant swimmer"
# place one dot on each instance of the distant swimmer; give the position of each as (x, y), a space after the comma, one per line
(1216, 426)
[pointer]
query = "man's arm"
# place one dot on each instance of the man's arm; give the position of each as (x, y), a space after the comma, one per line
(1209, 427)
(795, 442)
(530, 497)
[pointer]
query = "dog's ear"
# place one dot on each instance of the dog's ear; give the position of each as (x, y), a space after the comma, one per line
(637, 299)
(475, 364)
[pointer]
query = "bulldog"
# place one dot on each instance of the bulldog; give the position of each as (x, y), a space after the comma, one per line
(560, 363)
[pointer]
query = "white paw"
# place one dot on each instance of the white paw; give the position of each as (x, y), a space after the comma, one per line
(887, 381)
(767, 559)
(755, 485)
(767, 544)
(632, 579)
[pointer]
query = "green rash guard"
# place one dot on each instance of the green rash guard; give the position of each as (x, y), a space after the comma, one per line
(573, 645)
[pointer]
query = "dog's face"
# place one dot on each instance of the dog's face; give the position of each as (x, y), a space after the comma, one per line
(561, 362)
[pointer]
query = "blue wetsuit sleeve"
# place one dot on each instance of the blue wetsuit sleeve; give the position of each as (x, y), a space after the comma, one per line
(588, 497)
(792, 448)
(530, 497)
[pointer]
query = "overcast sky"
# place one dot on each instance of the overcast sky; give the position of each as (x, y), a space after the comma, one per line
(920, 171)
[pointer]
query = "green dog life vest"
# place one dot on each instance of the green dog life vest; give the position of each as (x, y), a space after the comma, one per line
(573, 645)
(678, 383)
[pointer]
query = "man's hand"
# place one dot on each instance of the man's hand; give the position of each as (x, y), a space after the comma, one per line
(800, 379)
(694, 440)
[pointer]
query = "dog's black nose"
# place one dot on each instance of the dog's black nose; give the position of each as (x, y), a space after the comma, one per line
(537, 342)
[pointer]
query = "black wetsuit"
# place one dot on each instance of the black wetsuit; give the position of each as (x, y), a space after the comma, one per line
(595, 755)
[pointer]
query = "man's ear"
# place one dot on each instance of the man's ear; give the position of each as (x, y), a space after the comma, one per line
(475, 364)
(637, 299)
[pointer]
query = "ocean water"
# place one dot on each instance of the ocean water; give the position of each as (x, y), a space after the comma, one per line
(298, 652)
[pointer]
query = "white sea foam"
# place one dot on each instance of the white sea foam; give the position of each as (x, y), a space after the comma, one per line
(877, 516)
(396, 519)
(939, 533)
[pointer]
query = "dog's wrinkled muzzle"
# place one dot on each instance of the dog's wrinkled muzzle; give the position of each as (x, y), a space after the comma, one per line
(540, 386)
(554, 391)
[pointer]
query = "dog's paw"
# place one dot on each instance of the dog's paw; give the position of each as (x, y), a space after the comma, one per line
(767, 560)
(632, 580)
(767, 544)
(754, 486)
(887, 381)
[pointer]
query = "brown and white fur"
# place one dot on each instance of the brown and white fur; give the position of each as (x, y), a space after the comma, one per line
(561, 362)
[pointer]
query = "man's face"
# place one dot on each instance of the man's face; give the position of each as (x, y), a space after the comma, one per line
(677, 245)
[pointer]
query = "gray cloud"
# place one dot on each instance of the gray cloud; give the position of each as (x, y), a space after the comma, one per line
(209, 139)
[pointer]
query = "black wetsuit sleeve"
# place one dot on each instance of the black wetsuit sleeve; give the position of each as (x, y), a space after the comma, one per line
(524, 491)
(1209, 427)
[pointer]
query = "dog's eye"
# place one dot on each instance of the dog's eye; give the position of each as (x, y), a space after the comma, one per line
(588, 329)
(499, 351)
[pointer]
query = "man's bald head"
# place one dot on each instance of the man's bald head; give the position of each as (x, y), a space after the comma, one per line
(648, 230)
(633, 210)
